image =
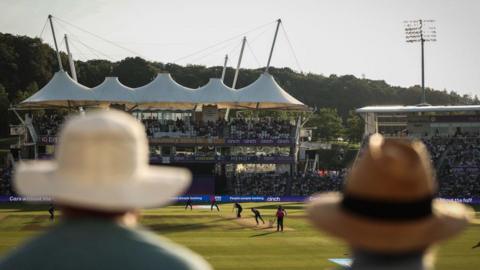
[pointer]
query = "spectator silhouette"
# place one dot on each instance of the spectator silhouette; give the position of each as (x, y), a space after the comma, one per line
(387, 213)
(100, 178)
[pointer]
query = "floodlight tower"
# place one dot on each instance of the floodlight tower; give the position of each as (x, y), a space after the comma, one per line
(421, 31)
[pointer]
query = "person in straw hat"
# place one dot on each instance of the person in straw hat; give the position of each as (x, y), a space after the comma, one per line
(387, 213)
(100, 178)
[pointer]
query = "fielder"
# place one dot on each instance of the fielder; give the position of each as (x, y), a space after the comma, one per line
(51, 211)
(239, 209)
(189, 204)
(257, 215)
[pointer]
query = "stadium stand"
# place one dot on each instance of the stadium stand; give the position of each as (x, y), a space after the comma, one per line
(456, 159)
(271, 184)
(457, 164)
(235, 128)
(6, 182)
(48, 124)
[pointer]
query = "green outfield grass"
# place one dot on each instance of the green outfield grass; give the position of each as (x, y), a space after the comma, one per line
(229, 244)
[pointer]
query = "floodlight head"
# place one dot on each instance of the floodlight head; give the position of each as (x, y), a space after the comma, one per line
(420, 31)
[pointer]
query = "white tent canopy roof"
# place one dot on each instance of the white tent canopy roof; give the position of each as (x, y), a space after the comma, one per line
(265, 93)
(61, 90)
(164, 92)
(113, 91)
(413, 109)
(215, 92)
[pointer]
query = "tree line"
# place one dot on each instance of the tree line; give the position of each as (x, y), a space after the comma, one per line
(27, 64)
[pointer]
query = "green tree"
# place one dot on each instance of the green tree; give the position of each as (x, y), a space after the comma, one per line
(135, 72)
(355, 127)
(24, 94)
(4, 105)
(25, 60)
(93, 72)
(327, 124)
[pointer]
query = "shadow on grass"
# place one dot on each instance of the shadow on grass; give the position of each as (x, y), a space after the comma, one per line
(173, 228)
(263, 234)
(166, 228)
(284, 205)
(23, 207)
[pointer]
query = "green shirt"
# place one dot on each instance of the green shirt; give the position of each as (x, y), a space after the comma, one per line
(101, 244)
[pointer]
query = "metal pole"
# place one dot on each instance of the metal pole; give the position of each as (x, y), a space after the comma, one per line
(70, 60)
(422, 41)
(224, 67)
(55, 42)
(279, 21)
(239, 62)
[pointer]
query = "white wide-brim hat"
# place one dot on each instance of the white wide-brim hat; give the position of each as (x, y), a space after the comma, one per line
(101, 163)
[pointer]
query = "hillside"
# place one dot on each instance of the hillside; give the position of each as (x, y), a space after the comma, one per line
(26, 64)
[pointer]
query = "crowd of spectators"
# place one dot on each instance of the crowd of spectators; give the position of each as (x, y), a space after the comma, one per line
(181, 128)
(455, 158)
(457, 161)
(268, 184)
(48, 124)
(307, 184)
(6, 188)
(263, 128)
(273, 184)
(235, 128)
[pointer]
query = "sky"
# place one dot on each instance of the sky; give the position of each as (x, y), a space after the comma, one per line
(365, 38)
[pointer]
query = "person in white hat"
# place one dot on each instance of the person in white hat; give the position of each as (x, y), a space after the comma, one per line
(100, 178)
(387, 213)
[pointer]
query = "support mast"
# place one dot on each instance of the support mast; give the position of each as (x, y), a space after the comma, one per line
(224, 67)
(59, 59)
(70, 60)
(279, 21)
(422, 41)
(244, 40)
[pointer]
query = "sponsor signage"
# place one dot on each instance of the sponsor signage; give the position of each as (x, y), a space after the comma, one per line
(17, 130)
(259, 141)
(221, 198)
(223, 159)
(47, 139)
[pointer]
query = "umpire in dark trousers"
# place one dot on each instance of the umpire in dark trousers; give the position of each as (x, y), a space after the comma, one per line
(281, 213)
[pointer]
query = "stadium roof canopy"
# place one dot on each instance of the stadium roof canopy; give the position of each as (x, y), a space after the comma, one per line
(60, 91)
(164, 93)
(265, 93)
(216, 92)
(410, 109)
(111, 90)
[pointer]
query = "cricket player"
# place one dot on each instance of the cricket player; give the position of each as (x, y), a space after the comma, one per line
(213, 202)
(281, 213)
(257, 215)
(239, 209)
(189, 203)
(51, 211)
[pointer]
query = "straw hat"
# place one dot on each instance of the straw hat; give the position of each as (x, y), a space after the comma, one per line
(101, 162)
(387, 204)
